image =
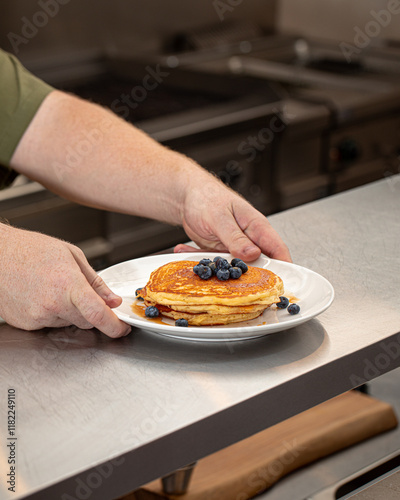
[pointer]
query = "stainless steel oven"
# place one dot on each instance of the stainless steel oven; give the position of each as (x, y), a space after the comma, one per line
(282, 119)
(341, 118)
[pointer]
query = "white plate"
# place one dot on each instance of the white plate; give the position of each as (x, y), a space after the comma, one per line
(314, 294)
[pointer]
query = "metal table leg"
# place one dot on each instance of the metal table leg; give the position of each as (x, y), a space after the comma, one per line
(177, 482)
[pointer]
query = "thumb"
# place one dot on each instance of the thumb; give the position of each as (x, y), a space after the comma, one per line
(94, 280)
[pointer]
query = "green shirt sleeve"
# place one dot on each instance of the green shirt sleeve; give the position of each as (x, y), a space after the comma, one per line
(21, 94)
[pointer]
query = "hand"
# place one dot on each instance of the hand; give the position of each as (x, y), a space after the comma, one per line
(45, 282)
(216, 218)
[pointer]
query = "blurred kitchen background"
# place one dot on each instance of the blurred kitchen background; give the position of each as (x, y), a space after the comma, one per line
(286, 101)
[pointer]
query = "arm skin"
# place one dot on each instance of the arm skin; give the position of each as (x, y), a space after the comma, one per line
(87, 154)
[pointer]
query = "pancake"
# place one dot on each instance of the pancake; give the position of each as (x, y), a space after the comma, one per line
(210, 308)
(178, 292)
(209, 319)
(175, 283)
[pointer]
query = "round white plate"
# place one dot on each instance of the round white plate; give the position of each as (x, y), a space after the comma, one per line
(314, 294)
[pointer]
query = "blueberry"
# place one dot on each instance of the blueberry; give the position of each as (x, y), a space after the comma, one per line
(138, 290)
(205, 273)
(205, 262)
(234, 262)
(241, 265)
(293, 309)
(151, 312)
(223, 274)
(216, 258)
(196, 269)
(235, 272)
(181, 322)
(284, 302)
(213, 268)
(222, 263)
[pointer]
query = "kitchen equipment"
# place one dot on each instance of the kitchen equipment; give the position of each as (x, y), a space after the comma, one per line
(378, 481)
(360, 139)
(249, 467)
(281, 118)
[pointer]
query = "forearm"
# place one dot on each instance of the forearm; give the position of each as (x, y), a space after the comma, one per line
(89, 155)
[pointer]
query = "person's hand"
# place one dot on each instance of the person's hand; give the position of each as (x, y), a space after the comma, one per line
(216, 218)
(46, 282)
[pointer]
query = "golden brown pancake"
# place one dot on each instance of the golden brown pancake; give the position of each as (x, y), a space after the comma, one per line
(205, 319)
(179, 293)
(175, 283)
(210, 308)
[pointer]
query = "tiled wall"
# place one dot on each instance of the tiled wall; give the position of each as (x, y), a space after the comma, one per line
(341, 19)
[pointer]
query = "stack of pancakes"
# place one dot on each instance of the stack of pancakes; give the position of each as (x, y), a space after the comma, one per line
(178, 292)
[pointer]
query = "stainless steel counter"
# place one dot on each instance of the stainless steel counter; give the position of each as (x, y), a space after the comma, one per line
(97, 417)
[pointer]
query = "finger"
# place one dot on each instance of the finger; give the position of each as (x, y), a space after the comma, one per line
(234, 239)
(182, 247)
(267, 239)
(274, 246)
(94, 280)
(210, 244)
(260, 232)
(93, 309)
(109, 297)
(185, 248)
(71, 317)
(74, 318)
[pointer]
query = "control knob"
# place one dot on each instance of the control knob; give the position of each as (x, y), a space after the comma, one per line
(346, 151)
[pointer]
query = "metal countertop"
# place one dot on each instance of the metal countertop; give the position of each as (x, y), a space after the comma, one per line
(98, 417)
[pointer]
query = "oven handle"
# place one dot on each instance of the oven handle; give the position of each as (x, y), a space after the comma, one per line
(250, 66)
(360, 480)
